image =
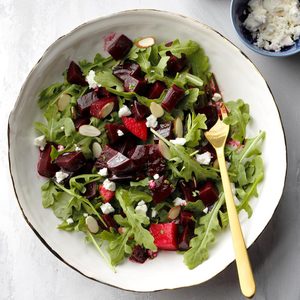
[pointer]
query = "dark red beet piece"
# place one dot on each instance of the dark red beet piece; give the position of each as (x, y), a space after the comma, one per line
(45, 167)
(74, 75)
(110, 222)
(211, 114)
(120, 164)
(112, 130)
(184, 238)
(136, 85)
(103, 107)
(119, 46)
(165, 235)
(213, 85)
(208, 193)
(84, 102)
(139, 254)
(140, 111)
(126, 145)
(161, 190)
(156, 89)
(105, 156)
(102, 92)
(186, 218)
(187, 189)
(91, 190)
(173, 96)
(156, 163)
(129, 68)
(176, 64)
(81, 121)
(140, 156)
(165, 130)
(121, 178)
(71, 161)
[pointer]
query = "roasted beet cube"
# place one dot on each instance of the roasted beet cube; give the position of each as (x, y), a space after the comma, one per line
(74, 75)
(140, 111)
(165, 235)
(172, 98)
(126, 145)
(103, 107)
(115, 132)
(156, 89)
(110, 222)
(71, 161)
(120, 164)
(84, 102)
(208, 193)
(156, 162)
(140, 156)
(81, 121)
(45, 167)
(161, 189)
(106, 154)
(184, 238)
(165, 130)
(136, 85)
(129, 68)
(91, 190)
(176, 64)
(139, 254)
(211, 114)
(186, 218)
(188, 189)
(102, 92)
(119, 46)
(120, 178)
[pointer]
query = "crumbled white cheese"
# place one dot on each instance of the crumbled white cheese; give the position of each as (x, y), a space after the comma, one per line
(107, 208)
(151, 121)
(236, 200)
(216, 97)
(40, 142)
(85, 215)
(60, 148)
(77, 148)
(120, 132)
(205, 210)
(156, 176)
(124, 111)
(109, 185)
(70, 221)
(90, 78)
(204, 158)
(153, 212)
(178, 141)
(141, 208)
(274, 24)
(103, 172)
(179, 202)
(60, 176)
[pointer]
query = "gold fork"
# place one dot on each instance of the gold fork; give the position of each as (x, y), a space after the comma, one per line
(217, 136)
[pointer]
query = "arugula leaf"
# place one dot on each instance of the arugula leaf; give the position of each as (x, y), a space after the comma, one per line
(69, 126)
(144, 182)
(61, 206)
(205, 236)
(108, 80)
(154, 56)
(97, 64)
(200, 64)
(195, 207)
(177, 48)
(49, 193)
(184, 78)
(195, 124)
(157, 72)
(50, 93)
(143, 59)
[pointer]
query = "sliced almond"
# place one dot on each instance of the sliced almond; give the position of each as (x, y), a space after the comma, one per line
(174, 212)
(156, 110)
(97, 149)
(92, 224)
(145, 42)
(178, 127)
(107, 109)
(89, 130)
(164, 150)
(63, 101)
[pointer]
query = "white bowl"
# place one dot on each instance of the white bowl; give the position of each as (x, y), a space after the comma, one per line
(238, 78)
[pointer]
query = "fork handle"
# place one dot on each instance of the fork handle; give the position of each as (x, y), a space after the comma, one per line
(245, 273)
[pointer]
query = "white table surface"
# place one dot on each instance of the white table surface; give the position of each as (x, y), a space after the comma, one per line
(27, 269)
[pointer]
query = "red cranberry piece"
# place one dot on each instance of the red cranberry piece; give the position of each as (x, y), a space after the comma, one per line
(184, 239)
(113, 130)
(173, 96)
(74, 75)
(81, 121)
(105, 156)
(165, 130)
(211, 114)
(165, 235)
(129, 68)
(140, 111)
(45, 167)
(161, 190)
(132, 84)
(84, 102)
(208, 193)
(91, 190)
(119, 164)
(139, 254)
(156, 89)
(156, 163)
(176, 64)
(71, 161)
(119, 46)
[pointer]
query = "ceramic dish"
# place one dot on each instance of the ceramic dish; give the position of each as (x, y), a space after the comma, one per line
(238, 78)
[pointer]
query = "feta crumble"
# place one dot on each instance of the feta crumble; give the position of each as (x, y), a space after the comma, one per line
(107, 208)
(90, 78)
(204, 158)
(70, 221)
(120, 132)
(153, 212)
(178, 141)
(60, 176)
(179, 202)
(85, 215)
(40, 142)
(109, 185)
(103, 172)
(77, 148)
(141, 208)
(205, 210)
(156, 176)
(216, 97)
(151, 121)
(124, 111)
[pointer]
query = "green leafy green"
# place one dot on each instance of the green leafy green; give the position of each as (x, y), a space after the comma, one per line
(108, 80)
(195, 207)
(49, 193)
(97, 64)
(178, 48)
(200, 64)
(195, 124)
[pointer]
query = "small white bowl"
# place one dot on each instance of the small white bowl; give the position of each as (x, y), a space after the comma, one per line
(238, 78)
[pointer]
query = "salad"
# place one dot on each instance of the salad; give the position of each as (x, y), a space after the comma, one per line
(124, 151)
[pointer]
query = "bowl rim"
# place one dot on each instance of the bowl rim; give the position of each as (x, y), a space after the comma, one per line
(254, 48)
(52, 45)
